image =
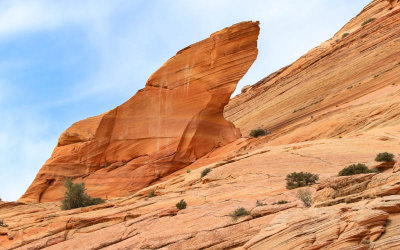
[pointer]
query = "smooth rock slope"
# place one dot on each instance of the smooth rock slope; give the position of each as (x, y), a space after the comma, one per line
(138, 222)
(348, 84)
(176, 119)
(337, 105)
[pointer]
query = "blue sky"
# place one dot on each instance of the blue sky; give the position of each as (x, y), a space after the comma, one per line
(62, 61)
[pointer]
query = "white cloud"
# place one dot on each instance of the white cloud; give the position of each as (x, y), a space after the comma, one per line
(18, 16)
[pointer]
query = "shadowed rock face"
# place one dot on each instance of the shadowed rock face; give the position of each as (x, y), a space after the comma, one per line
(176, 119)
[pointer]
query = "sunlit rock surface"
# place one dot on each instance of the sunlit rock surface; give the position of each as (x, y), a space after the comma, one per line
(358, 80)
(349, 83)
(176, 119)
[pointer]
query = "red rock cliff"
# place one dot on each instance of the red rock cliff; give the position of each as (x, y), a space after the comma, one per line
(174, 120)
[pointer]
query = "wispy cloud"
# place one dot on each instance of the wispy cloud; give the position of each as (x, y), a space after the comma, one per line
(18, 16)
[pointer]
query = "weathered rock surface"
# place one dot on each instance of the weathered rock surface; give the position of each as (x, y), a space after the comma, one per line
(361, 208)
(358, 73)
(176, 119)
(349, 189)
(327, 228)
(396, 168)
(255, 173)
(346, 85)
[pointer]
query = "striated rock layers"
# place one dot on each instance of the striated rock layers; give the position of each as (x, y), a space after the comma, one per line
(349, 83)
(349, 212)
(176, 119)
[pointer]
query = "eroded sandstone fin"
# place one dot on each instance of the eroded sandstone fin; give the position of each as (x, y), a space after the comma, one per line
(174, 120)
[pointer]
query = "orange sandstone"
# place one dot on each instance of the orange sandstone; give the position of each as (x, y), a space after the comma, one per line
(345, 94)
(176, 119)
(345, 85)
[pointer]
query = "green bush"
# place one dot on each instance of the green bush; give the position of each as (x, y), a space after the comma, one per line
(239, 212)
(2, 224)
(205, 172)
(96, 201)
(356, 169)
(281, 202)
(305, 196)
(258, 132)
(151, 194)
(301, 179)
(367, 21)
(181, 205)
(75, 196)
(188, 171)
(384, 157)
(366, 242)
(345, 34)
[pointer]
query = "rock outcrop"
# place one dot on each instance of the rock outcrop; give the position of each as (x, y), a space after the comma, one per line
(348, 84)
(337, 105)
(176, 119)
(352, 212)
(253, 179)
(324, 228)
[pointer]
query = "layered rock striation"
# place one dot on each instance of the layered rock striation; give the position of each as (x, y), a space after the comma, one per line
(176, 119)
(348, 212)
(337, 105)
(349, 83)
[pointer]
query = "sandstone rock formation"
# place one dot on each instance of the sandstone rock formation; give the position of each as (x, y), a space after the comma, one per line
(136, 222)
(358, 118)
(325, 228)
(176, 119)
(346, 85)
(360, 210)
(396, 168)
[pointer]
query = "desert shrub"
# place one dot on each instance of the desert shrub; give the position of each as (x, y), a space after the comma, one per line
(151, 194)
(356, 169)
(345, 34)
(301, 179)
(366, 242)
(239, 212)
(257, 132)
(384, 157)
(205, 172)
(281, 202)
(181, 205)
(367, 21)
(2, 224)
(305, 197)
(188, 171)
(75, 196)
(96, 201)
